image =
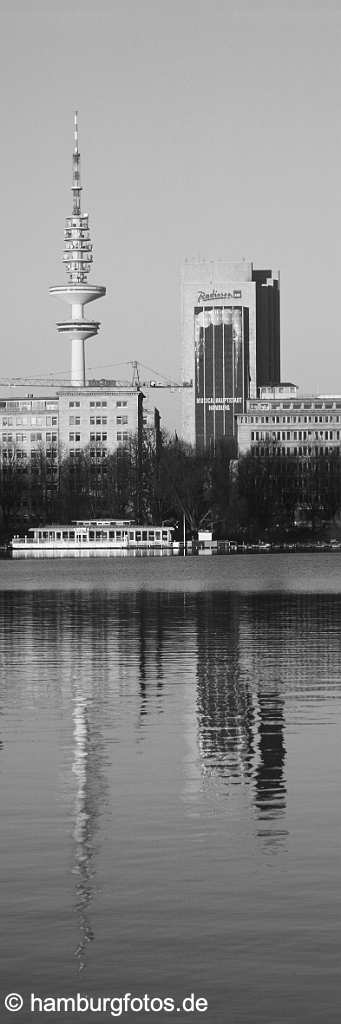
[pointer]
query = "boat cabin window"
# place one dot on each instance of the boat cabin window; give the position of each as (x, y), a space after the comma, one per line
(58, 535)
(65, 534)
(91, 535)
(164, 534)
(131, 534)
(72, 535)
(150, 534)
(138, 535)
(118, 534)
(144, 534)
(157, 534)
(45, 534)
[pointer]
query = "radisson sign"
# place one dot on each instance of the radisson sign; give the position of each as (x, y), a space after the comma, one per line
(214, 294)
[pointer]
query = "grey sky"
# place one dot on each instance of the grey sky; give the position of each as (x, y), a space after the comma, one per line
(204, 130)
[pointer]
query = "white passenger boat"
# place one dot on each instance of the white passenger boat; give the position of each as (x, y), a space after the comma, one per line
(94, 537)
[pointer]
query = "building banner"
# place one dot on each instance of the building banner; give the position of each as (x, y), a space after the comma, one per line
(220, 372)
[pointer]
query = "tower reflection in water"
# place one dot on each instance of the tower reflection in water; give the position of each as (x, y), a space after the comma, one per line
(84, 822)
(85, 647)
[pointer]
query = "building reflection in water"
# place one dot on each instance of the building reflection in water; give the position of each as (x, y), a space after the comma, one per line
(240, 718)
(270, 786)
(225, 703)
(238, 710)
(151, 625)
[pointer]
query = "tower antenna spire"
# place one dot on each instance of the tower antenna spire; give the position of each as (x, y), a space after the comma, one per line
(75, 130)
(76, 170)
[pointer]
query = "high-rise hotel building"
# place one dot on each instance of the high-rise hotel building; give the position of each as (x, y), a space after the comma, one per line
(230, 343)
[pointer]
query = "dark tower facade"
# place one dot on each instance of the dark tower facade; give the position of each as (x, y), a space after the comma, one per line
(230, 344)
(268, 344)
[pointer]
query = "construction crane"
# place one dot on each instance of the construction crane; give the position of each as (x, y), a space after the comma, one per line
(137, 380)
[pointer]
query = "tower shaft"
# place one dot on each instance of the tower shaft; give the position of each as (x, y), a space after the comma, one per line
(78, 363)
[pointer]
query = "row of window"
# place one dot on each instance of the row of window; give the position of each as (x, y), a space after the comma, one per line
(74, 421)
(310, 405)
(132, 535)
(97, 404)
(301, 450)
(95, 455)
(23, 405)
(27, 421)
(21, 453)
(295, 435)
(45, 421)
(93, 405)
(98, 438)
(32, 436)
(98, 452)
(97, 421)
(291, 419)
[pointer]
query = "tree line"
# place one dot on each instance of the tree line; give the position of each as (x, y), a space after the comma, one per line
(167, 480)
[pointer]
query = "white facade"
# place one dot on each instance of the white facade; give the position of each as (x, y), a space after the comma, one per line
(101, 419)
(98, 419)
(29, 427)
(287, 424)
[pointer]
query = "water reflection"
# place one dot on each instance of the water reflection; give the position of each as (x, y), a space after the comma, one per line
(270, 787)
(114, 667)
(225, 702)
(150, 633)
(84, 646)
(241, 721)
(89, 793)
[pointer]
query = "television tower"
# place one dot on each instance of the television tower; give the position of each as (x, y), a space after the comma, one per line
(78, 259)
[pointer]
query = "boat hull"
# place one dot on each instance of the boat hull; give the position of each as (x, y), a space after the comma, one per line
(86, 550)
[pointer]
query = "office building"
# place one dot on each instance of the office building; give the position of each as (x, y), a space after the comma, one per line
(230, 343)
(29, 428)
(280, 422)
(97, 419)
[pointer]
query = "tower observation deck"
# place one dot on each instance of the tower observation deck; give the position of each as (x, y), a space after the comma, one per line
(77, 292)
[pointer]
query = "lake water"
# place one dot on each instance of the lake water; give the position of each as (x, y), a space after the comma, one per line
(170, 772)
